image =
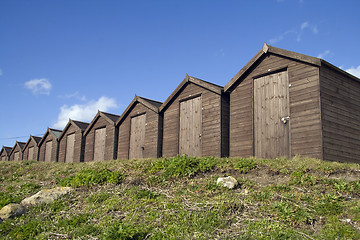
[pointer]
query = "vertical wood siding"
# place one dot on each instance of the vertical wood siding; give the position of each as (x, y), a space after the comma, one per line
(304, 94)
(137, 136)
(16, 154)
(79, 145)
(190, 127)
(152, 133)
(211, 122)
(340, 106)
(110, 140)
(271, 103)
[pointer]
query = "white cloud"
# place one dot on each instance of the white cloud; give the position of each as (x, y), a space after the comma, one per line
(39, 86)
(323, 54)
(297, 32)
(76, 95)
(83, 112)
(354, 71)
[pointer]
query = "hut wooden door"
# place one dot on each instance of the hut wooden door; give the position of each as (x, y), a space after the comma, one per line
(190, 127)
(271, 116)
(31, 154)
(99, 144)
(70, 145)
(4, 158)
(137, 136)
(48, 148)
(17, 156)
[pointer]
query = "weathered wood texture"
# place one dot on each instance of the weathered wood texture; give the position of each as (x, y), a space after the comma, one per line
(271, 104)
(304, 96)
(151, 137)
(190, 127)
(5, 153)
(93, 142)
(31, 149)
(16, 152)
(212, 124)
(49, 146)
(72, 142)
(340, 107)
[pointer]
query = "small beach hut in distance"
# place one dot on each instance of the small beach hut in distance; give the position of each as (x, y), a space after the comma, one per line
(49, 146)
(31, 149)
(195, 120)
(72, 142)
(5, 153)
(16, 151)
(101, 137)
(140, 128)
(284, 103)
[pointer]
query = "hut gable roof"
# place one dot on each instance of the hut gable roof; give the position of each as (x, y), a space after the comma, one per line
(111, 118)
(21, 145)
(189, 79)
(7, 150)
(54, 132)
(267, 49)
(79, 125)
(150, 104)
(32, 138)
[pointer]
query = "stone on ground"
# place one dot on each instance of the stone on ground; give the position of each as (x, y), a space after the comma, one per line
(11, 210)
(229, 182)
(46, 196)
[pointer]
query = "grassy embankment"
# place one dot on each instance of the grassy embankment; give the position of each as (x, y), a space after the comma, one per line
(177, 198)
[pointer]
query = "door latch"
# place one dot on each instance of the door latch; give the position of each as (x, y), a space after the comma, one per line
(284, 120)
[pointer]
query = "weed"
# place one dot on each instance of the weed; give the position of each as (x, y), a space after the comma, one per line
(181, 166)
(124, 231)
(88, 177)
(244, 165)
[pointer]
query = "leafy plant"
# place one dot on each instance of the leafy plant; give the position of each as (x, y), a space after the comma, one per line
(244, 165)
(88, 177)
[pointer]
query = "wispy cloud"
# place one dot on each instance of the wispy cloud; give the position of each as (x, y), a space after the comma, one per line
(75, 95)
(324, 54)
(298, 32)
(39, 86)
(354, 71)
(83, 112)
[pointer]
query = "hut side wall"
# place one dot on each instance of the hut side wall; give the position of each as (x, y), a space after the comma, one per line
(151, 149)
(33, 144)
(110, 140)
(305, 114)
(78, 146)
(211, 122)
(54, 150)
(340, 104)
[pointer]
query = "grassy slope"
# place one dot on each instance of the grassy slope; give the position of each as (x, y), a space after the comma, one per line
(177, 198)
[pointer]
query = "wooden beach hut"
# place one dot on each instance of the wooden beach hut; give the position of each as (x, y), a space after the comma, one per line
(31, 149)
(140, 130)
(101, 138)
(195, 120)
(72, 142)
(16, 151)
(284, 103)
(5, 153)
(49, 146)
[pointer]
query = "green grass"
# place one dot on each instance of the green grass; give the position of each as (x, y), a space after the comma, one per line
(178, 198)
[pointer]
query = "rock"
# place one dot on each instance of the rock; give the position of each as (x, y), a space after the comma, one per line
(12, 210)
(229, 182)
(46, 196)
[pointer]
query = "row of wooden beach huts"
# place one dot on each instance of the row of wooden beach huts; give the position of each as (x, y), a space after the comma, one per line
(280, 104)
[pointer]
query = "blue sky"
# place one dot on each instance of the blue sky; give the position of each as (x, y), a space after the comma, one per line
(64, 59)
